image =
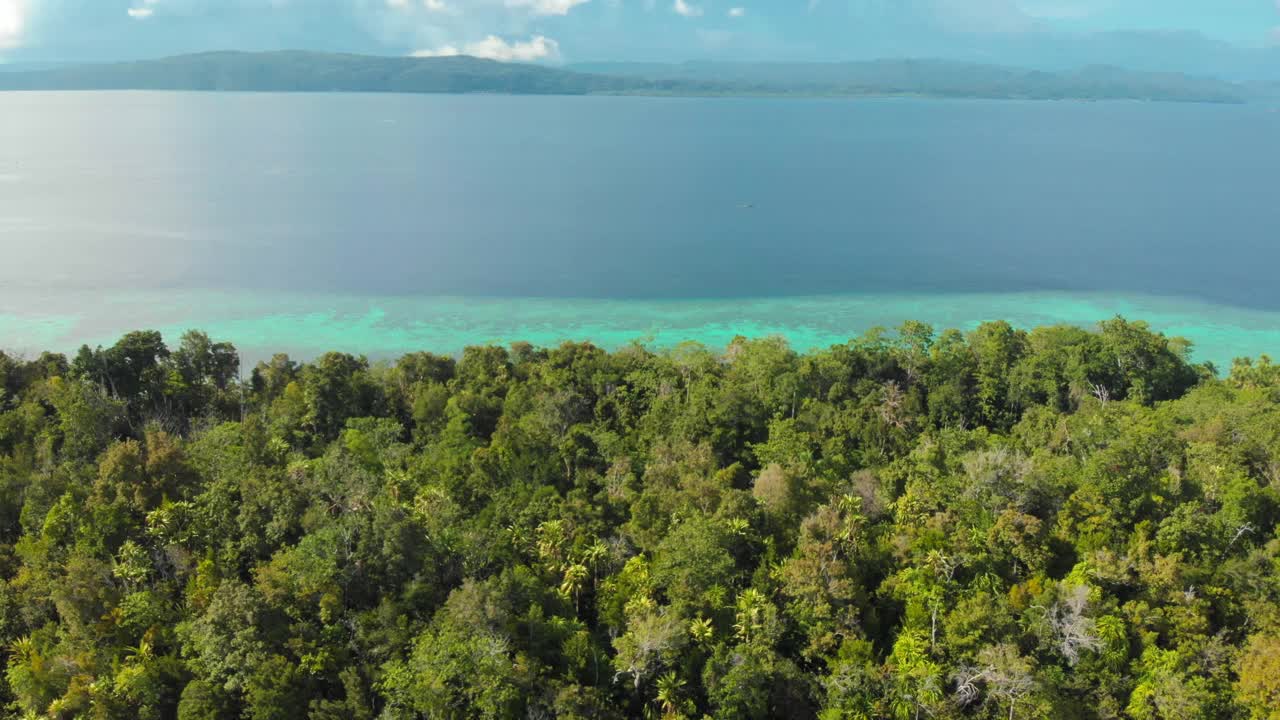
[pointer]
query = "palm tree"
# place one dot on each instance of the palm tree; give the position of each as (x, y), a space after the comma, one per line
(574, 577)
(669, 695)
(595, 555)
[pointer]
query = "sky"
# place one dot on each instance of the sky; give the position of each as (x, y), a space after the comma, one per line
(560, 31)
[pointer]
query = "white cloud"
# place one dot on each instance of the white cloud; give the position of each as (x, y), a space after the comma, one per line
(442, 51)
(143, 9)
(737, 12)
(999, 16)
(435, 6)
(1273, 37)
(547, 7)
(13, 19)
(493, 47)
(1061, 9)
(683, 8)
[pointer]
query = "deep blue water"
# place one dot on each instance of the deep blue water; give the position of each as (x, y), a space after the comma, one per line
(636, 197)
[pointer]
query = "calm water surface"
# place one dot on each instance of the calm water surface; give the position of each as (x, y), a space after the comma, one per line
(378, 223)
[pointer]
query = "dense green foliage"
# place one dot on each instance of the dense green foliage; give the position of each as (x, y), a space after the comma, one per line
(327, 72)
(1053, 524)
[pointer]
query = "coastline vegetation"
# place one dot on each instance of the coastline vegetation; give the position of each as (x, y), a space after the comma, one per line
(1059, 523)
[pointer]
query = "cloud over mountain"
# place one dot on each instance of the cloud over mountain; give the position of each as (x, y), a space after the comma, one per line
(493, 47)
(13, 16)
(1039, 33)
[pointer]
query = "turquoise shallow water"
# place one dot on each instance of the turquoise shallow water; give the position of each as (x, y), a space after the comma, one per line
(380, 224)
(307, 324)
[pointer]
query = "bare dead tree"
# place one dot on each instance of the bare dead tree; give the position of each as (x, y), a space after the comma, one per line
(1001, 673)
(1100, 392)
(1010, 678)
(968, 680)
(1075, 631)
(1241, 531)
(649, 639)
(891, 406)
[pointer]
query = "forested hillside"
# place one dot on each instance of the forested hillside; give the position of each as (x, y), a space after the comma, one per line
(296, 71)
(930, 78)
(1003, 524)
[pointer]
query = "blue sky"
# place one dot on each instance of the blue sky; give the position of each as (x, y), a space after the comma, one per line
(583, 30)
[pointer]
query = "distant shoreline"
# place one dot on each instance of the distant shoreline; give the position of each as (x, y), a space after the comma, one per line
(307, 72)
(660, 95)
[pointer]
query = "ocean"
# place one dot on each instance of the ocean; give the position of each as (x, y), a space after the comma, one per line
(381, 224)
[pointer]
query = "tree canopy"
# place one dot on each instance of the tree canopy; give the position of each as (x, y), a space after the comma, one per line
(1056, 523)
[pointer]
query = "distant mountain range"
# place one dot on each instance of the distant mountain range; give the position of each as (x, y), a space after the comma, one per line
(1187, 52)
(1149, 51)
(937, 78)
(297, 71)
(29, 66)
